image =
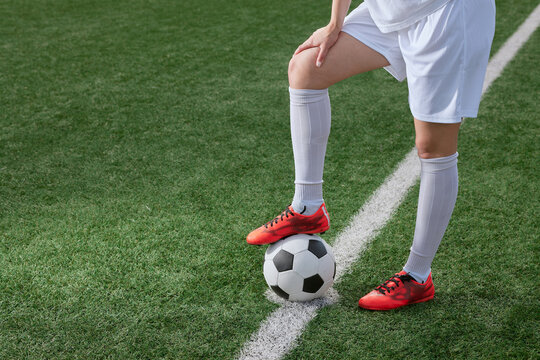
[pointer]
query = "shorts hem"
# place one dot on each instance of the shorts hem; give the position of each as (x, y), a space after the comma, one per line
(438, 119)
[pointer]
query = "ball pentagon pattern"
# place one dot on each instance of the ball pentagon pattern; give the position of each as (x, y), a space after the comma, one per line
(283, 261)
(317, 248)
(313, 284)
(300, 267)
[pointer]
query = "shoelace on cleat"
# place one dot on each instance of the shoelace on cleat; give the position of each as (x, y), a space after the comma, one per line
(395, 279)
(285, 213)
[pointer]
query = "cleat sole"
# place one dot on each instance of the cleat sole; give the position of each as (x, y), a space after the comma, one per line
(377, 308)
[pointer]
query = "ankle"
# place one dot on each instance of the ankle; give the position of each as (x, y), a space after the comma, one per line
(308, 196)
(306, 207)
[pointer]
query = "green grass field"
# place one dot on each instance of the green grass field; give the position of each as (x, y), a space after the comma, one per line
(142, 140)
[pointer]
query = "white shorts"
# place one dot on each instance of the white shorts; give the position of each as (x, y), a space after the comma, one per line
(443, 56)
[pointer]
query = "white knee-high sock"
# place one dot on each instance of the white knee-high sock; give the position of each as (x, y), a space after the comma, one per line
(438, 193)
(310, 127)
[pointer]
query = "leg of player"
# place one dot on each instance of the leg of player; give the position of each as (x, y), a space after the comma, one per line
(310, 127)
(310, 111)
(437, 149)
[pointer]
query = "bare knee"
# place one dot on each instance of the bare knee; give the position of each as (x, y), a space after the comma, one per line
(431, 147)
(303, 74)
(426, 147)
(434, 140)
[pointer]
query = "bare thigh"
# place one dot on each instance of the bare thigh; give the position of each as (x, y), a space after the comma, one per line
(346, 58)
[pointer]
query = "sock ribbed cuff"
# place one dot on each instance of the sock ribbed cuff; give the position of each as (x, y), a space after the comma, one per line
(439, 164)
(305, 96)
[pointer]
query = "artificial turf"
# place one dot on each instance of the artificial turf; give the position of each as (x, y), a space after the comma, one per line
(142, 140)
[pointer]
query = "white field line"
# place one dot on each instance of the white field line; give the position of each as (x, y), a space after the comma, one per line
(511, 47)
(277, 335)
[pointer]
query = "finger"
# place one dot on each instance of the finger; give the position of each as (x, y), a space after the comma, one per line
(301, 48)
(306, 45)
(321, 56)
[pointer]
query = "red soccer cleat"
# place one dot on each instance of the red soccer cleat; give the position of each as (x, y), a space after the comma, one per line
(401, 289)
(290, 223)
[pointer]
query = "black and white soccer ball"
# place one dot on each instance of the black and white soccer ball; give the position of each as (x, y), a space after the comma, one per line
(300, 267)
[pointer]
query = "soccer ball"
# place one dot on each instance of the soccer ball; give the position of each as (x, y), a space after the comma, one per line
(300, 267)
